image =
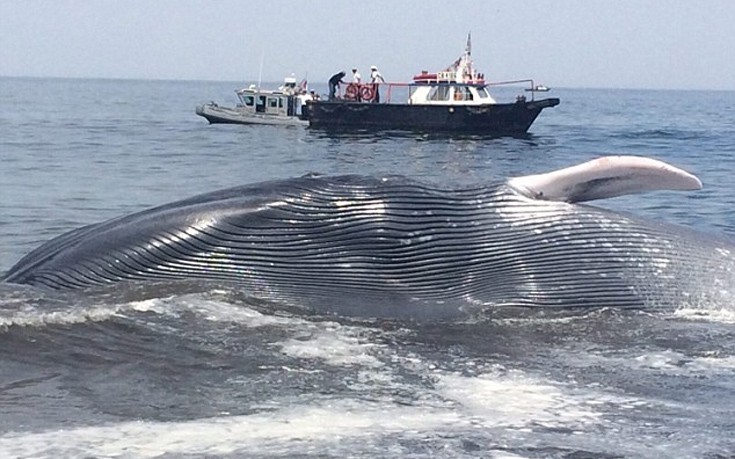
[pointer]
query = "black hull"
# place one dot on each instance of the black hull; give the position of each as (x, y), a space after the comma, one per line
(515, 118)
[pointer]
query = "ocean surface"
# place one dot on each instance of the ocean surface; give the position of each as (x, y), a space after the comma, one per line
(216, 374)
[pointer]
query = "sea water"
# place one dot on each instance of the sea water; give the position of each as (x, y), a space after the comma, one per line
(217, 374)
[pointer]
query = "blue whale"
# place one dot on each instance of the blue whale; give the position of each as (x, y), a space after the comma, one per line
(390, 246)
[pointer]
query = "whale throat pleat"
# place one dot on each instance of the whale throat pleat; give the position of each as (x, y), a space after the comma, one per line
(320, 239)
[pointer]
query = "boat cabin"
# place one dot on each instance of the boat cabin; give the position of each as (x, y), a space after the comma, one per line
(458, 84)
(266, 102)
(449, 94)
(288, 100)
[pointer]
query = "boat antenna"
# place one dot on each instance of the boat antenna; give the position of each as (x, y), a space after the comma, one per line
(470, 72)
(260, 72)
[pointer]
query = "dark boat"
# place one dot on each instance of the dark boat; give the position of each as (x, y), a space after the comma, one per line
(455, 99)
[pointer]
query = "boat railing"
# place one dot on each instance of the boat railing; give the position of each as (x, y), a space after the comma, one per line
(532, 87)
(385, 92)
(371, 92)
(448, 77)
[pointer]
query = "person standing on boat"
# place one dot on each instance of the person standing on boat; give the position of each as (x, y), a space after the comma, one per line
(353, 89)
(376, 78)
(334, 83)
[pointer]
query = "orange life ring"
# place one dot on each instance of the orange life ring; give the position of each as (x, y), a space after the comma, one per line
(367, 92)
(351, 91)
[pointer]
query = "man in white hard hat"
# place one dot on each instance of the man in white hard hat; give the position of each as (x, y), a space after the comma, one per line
(375, 79)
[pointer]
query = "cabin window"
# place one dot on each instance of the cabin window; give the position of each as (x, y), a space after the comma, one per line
(439, 93)
(249, 101)
(482, 93)
(273, 102)
(462, 93)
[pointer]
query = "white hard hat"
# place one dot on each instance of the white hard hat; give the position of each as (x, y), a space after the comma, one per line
(372, 67)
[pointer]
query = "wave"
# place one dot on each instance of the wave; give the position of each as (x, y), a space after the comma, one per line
(661, 134)
(499, 413)
(506, 387)
(29, 307)
(510, 407)
(66, 311)
(720, 314)
(326, 427)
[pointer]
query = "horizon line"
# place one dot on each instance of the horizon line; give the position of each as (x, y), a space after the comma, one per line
(189, 80)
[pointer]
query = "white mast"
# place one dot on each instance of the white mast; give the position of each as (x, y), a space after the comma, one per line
(260, 72)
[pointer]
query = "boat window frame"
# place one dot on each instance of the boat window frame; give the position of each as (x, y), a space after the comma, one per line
(482, 92)
(261, 103)
(468, 96)
(439, 90)
(462, 93)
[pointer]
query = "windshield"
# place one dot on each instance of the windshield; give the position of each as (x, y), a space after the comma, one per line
(439, 93)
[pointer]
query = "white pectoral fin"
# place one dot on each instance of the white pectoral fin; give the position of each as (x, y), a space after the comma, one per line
(605, 177)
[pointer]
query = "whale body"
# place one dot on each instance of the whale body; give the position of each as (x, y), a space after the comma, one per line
(391, 246)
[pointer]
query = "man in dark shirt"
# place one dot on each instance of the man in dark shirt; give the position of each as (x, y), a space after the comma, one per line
(334, 83)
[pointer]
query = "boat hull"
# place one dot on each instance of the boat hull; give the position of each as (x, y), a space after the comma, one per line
(512, 118)
(216, 114)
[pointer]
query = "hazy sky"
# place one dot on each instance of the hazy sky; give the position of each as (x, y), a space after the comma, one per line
(675, 44)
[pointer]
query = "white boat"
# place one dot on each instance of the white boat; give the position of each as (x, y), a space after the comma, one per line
(283, 106)
(539, 88)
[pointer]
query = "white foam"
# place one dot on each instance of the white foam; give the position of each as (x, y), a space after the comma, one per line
(152, 305)
(657, 360)
(335, 346)
(722, 315)
(661, 362)
(222, 311)
(517, 401)
(64, 313)
(677, 363)
(288, 428)
(723, 363)
(331, 342)
(33, 317)
(73, 313)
